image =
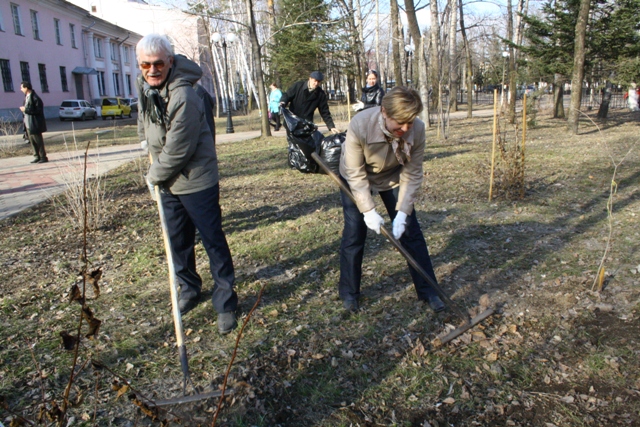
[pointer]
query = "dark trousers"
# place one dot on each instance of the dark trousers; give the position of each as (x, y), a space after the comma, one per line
(38, 145)
(275, 118)
(201, 210)
(352, 248)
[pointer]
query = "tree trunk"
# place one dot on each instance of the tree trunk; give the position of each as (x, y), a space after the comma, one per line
(469, 75)
(513, 86)
(558, 96)
(453, 73)
(435, 57)
(257, 65)
(578, 67)
(603, 111)
(395, 30)
(421, 84)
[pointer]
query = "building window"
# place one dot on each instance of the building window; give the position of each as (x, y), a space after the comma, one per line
(94, 9)
(125, 53)
(42, 68)
(129, 91)
(97, 46)
(116, 84)
(72, 31)
(1, 21)
(63, 79)
(56, 24)
(35, 25)
(7, 81)
(17, 22)
(101, 89)
(24, 70)
(114, 51)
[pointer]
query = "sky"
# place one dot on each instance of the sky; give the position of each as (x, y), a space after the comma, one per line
(491, 7)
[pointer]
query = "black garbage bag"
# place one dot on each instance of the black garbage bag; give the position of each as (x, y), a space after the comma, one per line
(303, 139)
(331, 149)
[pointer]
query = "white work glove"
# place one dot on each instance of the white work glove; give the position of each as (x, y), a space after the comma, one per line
(373, 220)
(358, 106)
(151, 187)
(144, 146)
(399, 224)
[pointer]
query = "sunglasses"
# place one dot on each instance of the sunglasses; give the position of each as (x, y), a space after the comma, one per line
(158, 64)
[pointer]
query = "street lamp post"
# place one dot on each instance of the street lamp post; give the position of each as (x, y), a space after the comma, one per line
(504, 66)
(410, 48)
(221, 40)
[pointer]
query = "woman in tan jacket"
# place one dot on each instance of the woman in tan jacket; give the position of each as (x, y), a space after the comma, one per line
(384, 151)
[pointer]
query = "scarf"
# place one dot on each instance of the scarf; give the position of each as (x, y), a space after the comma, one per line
(398, 145)
(153, 105)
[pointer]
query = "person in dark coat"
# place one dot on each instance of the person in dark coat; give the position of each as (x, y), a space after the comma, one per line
(372, 93)
(34, 122)
(305, 96)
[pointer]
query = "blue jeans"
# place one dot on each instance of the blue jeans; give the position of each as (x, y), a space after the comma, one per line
(352, 249)
(201, 210)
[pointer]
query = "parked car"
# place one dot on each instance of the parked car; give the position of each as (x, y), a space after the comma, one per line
(131, 102)
(529, 90)
(76, 109)
(115, 107)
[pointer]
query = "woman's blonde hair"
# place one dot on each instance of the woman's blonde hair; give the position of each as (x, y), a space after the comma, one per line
(402, 104)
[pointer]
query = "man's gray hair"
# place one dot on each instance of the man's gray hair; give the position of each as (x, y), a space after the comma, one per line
(153, 44)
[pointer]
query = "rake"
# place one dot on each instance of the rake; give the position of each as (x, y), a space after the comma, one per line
(464, 315)
(177, 321)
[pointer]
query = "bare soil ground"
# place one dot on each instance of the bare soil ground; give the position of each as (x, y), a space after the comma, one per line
(559, 352)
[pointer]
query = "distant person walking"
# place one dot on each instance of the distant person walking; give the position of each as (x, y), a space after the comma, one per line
(274, 105)
(305, 96)
(34, 122)
(372, 93)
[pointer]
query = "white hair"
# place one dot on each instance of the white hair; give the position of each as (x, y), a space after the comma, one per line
(153, 44)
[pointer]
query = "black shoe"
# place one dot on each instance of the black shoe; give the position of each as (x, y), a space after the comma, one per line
(36, 160)
(436, 304)
(43, 160)
(186, 305)
(351, 305)
(227, 322)
(277, 128)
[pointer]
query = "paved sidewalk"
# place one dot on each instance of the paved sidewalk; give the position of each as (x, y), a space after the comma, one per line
(23, 184)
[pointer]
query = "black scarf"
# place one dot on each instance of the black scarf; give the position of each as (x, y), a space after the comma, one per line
(153, 105)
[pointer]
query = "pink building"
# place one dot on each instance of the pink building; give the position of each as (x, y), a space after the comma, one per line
(64, 52)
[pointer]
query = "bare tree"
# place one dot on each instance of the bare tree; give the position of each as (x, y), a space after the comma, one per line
(414, 29)
(453, 72)
(578, 66)
(469, 69)
(396, 39)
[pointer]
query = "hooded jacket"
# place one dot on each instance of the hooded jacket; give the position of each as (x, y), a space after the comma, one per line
(303, 103)
(181, 144)
(372, 96)
(368, 162)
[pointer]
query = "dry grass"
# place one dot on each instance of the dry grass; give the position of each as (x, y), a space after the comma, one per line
(557, 353)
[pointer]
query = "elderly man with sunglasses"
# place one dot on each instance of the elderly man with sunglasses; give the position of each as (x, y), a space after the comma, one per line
(185, 166)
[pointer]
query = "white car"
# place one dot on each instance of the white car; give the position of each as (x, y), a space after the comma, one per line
(77, 109)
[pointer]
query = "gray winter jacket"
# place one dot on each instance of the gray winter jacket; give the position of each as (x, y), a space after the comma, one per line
(181, 145)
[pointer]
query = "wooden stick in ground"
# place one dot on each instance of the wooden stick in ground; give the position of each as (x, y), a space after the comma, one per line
(524, 139)
(493, 148)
